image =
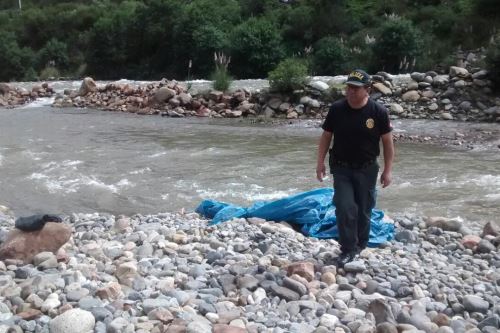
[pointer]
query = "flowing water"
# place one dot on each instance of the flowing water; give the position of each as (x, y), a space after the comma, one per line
(80, 160)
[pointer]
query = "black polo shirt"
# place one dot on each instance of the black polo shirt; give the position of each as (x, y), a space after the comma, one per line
(356, 132)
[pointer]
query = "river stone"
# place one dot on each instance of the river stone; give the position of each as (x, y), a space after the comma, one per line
(319, 85)
(458, 71)
(304, 269)
(411, 96)
(163, 94)
(446, 116)
(285, 293)
(474, 303)
(88, 86)
(491, 228)
(386, 328)
(329, 321)
(382, 88)
(22, 245)
(485, 246)
(417, 76)
(448, 224)
(356, 266)
(65, 323)
(396, 108)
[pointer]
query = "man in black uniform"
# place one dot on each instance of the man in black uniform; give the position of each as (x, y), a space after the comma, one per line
(356, 124)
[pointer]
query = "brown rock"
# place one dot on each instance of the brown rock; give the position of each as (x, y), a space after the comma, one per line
(163, 94)
(203, 112)
(304, 269)
(88, 85)
(441, 320)
(215, 95)
(161, 314)
(111, 292)
(219, 328)
(4, 88)
(491, 228)
(29, 314)
(411, 96)
(470, 241)
(22, 245)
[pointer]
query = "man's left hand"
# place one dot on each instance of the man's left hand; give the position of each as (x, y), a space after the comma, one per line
(385, 178)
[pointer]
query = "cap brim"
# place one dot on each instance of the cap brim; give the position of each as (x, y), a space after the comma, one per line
(355, 83)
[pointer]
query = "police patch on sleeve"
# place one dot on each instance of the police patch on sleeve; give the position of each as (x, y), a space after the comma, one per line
(370, 123)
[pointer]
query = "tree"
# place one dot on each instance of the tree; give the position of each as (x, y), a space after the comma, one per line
(493, 61)
(398, 46)
(256, 48)
(53, 54)
(330, 56)
(16, 61)
(289, 75)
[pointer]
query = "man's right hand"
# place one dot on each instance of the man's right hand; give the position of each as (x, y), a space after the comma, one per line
(320, 172)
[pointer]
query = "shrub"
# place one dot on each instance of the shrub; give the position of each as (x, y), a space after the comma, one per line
(398, 46)
(256, 47)
(54, 53)
(49, 73)
(221, 78)
(330, 56)
(289, 75)
(493, 61)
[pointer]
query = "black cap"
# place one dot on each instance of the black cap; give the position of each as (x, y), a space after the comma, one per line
(358, 78)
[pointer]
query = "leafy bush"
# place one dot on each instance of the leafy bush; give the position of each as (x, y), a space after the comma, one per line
(49, 73)
(330, 56)
(15, 61)
(398, 46)
(289, 75)
(493, 61)
(221, 79)
(54, 53)
(256, 47)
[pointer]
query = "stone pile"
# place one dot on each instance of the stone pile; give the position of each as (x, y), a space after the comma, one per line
(459, 95)
(172, 272)
(12, 97)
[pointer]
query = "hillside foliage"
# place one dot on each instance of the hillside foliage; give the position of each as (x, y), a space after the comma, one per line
(152, 39)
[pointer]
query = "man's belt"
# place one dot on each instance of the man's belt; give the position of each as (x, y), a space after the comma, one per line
(353, 165)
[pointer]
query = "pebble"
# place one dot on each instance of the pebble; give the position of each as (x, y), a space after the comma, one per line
(254, 276)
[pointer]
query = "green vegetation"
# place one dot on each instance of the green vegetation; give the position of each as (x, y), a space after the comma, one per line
(290, 75)
(221, 77)
(151, 39)
(493, 61)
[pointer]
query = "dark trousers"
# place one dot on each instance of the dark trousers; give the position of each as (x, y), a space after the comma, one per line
(354, 199)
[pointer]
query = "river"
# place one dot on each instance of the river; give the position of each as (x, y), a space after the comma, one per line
(80, 160)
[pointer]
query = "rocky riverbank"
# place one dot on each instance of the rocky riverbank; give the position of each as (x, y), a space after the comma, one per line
(172, 272)
(459, 95)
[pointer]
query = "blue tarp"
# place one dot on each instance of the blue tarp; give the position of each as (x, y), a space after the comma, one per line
(313, 212)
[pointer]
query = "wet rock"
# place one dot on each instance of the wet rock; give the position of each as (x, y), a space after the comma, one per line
(24, 246)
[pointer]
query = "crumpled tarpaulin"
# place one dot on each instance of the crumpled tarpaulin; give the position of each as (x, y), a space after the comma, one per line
(313, 212)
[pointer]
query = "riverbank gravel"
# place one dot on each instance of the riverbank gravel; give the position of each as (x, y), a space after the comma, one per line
(172, 272)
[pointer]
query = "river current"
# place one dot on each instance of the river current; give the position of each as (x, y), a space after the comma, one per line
(81, 160)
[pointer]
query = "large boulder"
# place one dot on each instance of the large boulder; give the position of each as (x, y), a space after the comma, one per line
(163, 94)
(25, 246)
(73, 321)
(411, 96)
(382, 88)
(88, 86)
(458, 71)
(4, 88)
(447, 224)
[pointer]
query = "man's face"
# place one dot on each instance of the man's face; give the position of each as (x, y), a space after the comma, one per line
(356, 94)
